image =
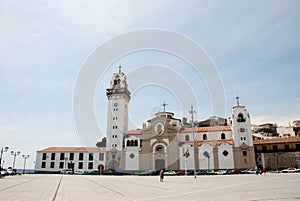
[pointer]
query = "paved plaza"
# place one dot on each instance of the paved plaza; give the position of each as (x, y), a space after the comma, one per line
(218, 187)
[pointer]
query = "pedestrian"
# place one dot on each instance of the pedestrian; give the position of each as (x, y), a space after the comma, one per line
(265, 170)
(161, 175)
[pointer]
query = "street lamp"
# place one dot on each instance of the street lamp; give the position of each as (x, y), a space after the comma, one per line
(194, 142)
(14, 154)
(186, 154)
(3, 149)
(25, 158)
(66, 158)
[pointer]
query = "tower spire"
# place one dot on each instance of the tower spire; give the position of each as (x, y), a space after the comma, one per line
(237, 100)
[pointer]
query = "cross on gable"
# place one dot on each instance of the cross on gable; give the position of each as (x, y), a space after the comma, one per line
(237, 100)
(164, 105)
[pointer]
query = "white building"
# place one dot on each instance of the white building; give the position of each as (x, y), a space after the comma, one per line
(162, 143)
(285, 131)
(79, 159)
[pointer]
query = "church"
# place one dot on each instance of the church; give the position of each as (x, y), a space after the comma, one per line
(164, 142)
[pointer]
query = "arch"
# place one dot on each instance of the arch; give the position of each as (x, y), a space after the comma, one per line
(135, 143)
(204, 137)
(241, 118)
(127, 143)
(131, 143)
(187, 138)
(223, 136)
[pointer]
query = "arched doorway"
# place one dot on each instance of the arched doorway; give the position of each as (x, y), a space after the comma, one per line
(159, 157)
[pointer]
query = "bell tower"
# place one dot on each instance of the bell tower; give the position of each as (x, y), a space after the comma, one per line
(118, 97)
(242, 137)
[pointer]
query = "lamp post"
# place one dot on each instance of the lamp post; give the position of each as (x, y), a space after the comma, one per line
(66, 158)
(194, 142)
(14, 154)
(25, 157)
(3, 149)
(186, 154)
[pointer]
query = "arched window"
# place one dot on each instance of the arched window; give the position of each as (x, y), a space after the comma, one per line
(127, 143)
(241, 118)
(187, 138)
(135, 143)
(131, 143)
(204, 137)
(223, 137)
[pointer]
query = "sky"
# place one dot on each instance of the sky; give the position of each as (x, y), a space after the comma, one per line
(254, 46)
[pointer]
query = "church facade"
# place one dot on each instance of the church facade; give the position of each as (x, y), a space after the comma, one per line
(165, 143)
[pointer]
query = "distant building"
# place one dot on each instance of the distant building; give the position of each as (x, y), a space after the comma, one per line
(285, 131)
(278, 153)
(79, 159)
(296, 123)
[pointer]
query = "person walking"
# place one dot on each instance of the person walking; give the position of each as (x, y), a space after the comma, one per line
(161, 175)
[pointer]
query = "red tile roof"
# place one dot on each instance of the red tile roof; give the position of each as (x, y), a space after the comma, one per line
(207, 129)
(134, 132)
(73, 149)
(218, 142)
(277, 140)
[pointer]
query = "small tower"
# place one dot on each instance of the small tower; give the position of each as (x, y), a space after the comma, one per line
(242, 137)
(117, 119)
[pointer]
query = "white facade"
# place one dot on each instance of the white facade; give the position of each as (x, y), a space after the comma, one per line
(79, 159)
(285, 131)
(241, 126)
(117, 115)
(132, 148)
(206, 156)
(225, 156)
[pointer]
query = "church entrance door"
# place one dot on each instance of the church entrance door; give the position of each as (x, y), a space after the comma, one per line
(159, 164)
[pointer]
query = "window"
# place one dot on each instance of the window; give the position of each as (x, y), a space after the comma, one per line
(244, 138)
(90, 165)
(81, 156)
(113, 156)
(44, 157)
(135, 143)
(241, 118)
(244, 153)
(223, 137)
(90, 156)
(80, 165)
(204, 137)
(61, 165)
(225, 153)
(298, 147)
(286, 147)
(52, 165)
(115, 104)
(242, 130)
(43, 164)
(101, 156)
(52, 156)
(187, 138)
(241, 138)
(264, 148)
(62, 156)
(127, 143)
(71, 156)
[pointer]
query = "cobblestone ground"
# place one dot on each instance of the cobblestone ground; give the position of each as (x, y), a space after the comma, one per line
(219, 187)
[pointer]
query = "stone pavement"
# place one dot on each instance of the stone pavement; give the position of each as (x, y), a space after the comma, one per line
(217, 187)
